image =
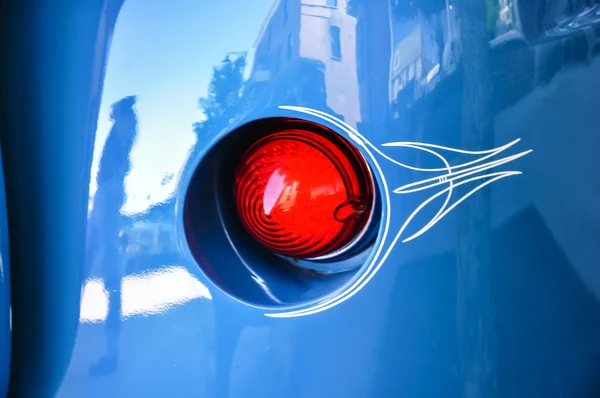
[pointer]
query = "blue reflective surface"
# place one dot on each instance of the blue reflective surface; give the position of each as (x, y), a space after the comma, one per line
(5, 322)
(498, 296)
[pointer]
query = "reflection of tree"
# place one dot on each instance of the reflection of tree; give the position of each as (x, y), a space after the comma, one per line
(224, 94)
(492, 9)
(476, 321)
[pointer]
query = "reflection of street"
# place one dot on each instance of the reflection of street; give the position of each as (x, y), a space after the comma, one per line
(161, 286)
(157, 309)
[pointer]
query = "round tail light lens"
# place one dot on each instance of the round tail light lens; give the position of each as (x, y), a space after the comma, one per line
(304, 194)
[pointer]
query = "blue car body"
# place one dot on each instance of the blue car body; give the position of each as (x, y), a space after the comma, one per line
(479, 120)
(5, 308)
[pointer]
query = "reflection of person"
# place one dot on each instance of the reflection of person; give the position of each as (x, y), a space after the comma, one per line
(106, 221)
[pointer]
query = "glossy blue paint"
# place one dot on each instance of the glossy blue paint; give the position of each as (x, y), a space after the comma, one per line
(5, 332)
(53, 57)
(498, 298)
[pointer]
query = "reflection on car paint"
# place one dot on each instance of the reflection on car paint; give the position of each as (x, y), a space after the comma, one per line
(500, 299)
(144, 293)
(307, 55)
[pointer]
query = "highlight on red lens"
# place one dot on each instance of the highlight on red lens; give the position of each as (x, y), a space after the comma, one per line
(306, 194)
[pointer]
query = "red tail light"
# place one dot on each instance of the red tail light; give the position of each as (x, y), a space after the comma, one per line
(304, 194)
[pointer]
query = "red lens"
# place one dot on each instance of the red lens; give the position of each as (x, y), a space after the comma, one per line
(303, 194)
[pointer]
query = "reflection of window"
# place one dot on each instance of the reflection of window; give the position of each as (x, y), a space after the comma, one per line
(277, 60)
(336, 44)
(331, 3)
(290, 47)
(360, 49)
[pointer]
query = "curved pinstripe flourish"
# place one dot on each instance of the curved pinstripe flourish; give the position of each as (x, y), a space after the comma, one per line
(446, 178)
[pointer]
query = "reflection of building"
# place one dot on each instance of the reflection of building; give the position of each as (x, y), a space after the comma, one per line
(151, 232)
(372, 60)
(306, 52)
(425, 49)
(148, 238)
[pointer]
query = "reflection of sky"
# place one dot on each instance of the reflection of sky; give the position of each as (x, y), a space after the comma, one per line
(163, 51)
